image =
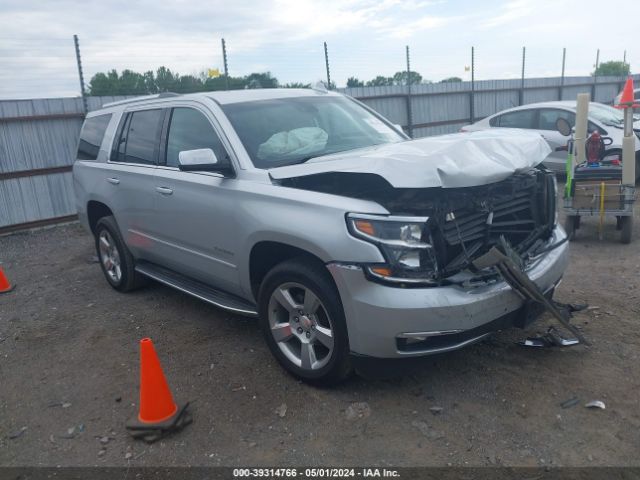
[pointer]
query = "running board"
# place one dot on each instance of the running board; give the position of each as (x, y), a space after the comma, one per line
(197, 289)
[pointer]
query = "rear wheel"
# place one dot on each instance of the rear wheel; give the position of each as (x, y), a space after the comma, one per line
(303, 321)
(115, 259)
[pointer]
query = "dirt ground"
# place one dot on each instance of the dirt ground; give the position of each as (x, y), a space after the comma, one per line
(69, 377)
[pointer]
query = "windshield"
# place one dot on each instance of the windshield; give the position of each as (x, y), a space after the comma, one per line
(606, 114)
(286, 131)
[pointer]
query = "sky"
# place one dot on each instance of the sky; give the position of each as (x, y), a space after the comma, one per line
(365, 38)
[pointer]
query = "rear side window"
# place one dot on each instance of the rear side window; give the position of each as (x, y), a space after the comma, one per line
(140, 137)
(549, 117)
(191, 130)
(518, 119)
(91, 136)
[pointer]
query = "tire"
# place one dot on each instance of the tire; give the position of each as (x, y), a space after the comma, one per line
(627, 229)
(312, 345)
(571, 223)
(115, 258)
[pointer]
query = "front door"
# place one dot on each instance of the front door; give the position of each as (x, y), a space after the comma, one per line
(194, 220)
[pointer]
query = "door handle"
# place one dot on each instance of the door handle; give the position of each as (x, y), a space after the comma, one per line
(164, 190)
(113, 180)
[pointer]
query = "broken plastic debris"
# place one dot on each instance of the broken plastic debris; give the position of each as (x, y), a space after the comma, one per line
(281, 411)
(596, 404)
(572, 402)
(550, 339)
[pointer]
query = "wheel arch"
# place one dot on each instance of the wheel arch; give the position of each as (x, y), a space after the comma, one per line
(266, 254)
(95, 211)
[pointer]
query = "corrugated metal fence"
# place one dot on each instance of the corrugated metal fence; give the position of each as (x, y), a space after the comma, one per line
(38, 138)
(38, 141)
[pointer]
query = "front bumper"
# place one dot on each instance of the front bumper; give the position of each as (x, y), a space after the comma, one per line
(380, 318)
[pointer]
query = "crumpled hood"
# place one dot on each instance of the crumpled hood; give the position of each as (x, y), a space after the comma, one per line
(447, 161)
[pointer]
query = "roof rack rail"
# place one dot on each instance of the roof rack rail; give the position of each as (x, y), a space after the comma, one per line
(141, 99)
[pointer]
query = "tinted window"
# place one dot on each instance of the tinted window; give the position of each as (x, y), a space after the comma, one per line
(518, 119)
(549, 117)
(141, 137)
(190, 130)
(91, 136)
(494, 121)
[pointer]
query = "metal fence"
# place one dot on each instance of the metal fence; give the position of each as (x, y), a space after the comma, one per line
(38, 138)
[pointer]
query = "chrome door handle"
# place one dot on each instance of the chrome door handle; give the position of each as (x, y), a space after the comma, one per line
(113, 181)
(164, 190)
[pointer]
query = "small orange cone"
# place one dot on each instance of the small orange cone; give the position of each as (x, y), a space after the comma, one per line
(626, 99)
(5, 286)
(158, 414)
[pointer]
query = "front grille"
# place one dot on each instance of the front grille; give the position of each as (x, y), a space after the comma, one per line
(520, 210)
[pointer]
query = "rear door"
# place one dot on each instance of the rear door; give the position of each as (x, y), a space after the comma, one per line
(130, 175)
(195, 219)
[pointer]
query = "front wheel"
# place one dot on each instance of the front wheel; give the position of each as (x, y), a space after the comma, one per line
(302, 319)
(571, 224)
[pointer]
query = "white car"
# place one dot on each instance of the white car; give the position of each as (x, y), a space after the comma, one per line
(542, 117)
(636, 96)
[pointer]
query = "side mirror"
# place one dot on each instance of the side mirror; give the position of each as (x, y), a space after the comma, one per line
(563, 126)
(200, 160)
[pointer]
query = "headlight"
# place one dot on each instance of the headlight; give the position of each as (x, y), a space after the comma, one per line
(405, 243)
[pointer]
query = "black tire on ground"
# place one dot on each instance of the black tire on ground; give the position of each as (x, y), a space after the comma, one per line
(627, 228)
(571, 224)
(129, 279)
(315, 277)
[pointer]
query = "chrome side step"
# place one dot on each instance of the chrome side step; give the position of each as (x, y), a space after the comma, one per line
(197, 289)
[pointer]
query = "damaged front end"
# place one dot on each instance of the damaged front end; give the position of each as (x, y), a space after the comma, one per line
(434, 235)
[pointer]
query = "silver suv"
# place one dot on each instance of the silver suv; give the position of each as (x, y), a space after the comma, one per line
(313, 213)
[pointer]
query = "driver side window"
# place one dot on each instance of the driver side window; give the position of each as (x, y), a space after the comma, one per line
(191, 130)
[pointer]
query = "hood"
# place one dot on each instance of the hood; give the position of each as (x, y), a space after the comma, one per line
(447, 161)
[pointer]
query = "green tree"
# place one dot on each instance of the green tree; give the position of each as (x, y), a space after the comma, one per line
(451, 80)
(380, 81)
(354, 82)
(164, 80)
(104, 83)
(612, 68)
(296, 85)
(400, 78)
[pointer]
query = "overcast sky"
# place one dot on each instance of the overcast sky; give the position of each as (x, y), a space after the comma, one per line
(365, 38)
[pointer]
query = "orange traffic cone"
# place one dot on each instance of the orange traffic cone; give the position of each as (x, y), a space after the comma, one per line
(626, 99)
(5, 286)
(158, 414)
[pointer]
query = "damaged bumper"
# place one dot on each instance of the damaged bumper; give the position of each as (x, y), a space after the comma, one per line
(389, 322)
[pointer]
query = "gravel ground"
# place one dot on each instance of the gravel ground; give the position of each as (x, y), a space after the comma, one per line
(69, 373)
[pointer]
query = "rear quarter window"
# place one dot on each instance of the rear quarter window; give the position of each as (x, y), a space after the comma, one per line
(91, 136)
(518, 119)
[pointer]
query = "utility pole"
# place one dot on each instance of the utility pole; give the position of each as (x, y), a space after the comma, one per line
(80, 74)
(472, 102)
(224, 60)
(564, 58)
(524, 56)
(326, 64)
(595, 77)
(409, 112)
